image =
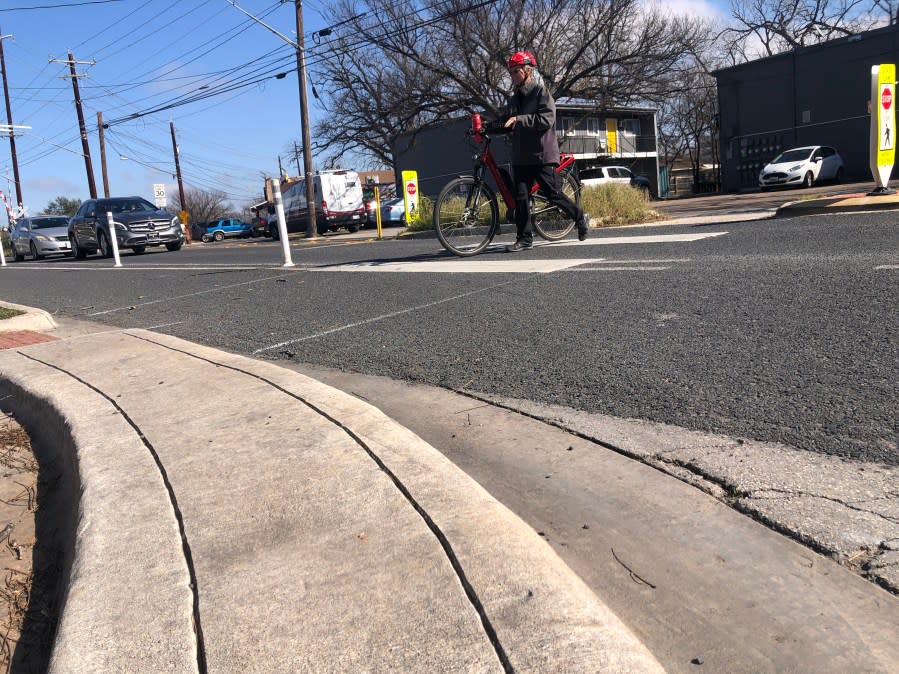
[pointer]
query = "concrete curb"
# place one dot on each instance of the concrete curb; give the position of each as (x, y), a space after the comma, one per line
(33, 319)
(128, 573)
(844, 203)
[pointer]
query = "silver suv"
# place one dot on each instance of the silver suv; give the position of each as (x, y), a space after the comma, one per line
(138, 224)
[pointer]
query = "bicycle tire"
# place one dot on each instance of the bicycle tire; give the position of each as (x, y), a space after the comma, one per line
(466, 216)
(550, 221)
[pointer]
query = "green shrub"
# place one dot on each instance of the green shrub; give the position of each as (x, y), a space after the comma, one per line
(614, 204)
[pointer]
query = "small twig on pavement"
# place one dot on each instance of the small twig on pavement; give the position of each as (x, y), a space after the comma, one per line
(634, 576)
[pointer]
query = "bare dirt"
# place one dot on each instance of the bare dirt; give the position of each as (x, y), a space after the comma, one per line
(27, 618)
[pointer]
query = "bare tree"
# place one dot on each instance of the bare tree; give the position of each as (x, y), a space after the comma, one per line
(203, 205)
(388, 72)
(768, 27)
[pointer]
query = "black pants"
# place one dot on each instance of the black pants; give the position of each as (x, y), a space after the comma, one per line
(525, 175)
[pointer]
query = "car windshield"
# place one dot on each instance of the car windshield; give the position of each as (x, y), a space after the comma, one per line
(126, 206)
(792, 155)
(49, 223)
(587, 174)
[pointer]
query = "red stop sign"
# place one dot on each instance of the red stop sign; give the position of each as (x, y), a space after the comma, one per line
(410, 188)
(886, 98)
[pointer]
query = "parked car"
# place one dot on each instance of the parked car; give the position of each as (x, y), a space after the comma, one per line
(218, 230)
(138, 225)
(802, 167)
(601, 175)
(393, 212)
(39, 236)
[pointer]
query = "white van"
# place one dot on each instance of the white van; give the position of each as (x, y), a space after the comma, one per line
(338, 202)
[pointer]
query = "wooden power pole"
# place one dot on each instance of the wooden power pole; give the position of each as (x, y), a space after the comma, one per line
(12, 138)
(311, 229)
(85, 145)
(100, 128)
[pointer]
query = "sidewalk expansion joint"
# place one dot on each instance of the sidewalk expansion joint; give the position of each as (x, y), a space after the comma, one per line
(185, 545)
(441, 537)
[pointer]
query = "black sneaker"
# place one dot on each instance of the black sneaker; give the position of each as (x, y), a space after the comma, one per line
(583, 223)
(519, 246)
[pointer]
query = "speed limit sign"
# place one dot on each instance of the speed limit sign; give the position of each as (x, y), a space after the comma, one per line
(159, 194)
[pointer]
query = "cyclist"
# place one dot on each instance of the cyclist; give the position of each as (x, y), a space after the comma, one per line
(530, 116)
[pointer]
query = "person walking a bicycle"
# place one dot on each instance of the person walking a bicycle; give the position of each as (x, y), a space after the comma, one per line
(530, 116)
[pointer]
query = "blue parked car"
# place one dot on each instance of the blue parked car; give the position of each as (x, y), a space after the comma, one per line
(217, 230)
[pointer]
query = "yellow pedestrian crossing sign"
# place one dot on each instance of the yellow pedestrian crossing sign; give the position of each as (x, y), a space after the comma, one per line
(883, 123)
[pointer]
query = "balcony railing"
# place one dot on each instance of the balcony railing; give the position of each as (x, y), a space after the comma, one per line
(596, 144)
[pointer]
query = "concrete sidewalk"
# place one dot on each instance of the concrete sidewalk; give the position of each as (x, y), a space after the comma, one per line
(227, 514)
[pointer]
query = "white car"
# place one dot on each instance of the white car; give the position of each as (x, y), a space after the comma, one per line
(393, 212)
(802, 166)
(601, 175)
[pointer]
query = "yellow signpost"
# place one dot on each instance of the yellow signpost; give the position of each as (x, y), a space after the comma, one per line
(883, 125)
(410, 195)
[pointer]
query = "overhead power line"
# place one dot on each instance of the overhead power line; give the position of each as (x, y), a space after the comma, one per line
(59, 6)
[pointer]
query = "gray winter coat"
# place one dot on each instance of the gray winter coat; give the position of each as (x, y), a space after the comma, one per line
(534, 138)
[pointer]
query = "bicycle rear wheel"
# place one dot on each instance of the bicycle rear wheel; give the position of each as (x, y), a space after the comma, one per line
(466, 216)
(550, 221)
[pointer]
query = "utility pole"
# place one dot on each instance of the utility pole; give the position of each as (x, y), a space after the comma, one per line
(85, 145)
(103, 155)
(311, 230)
(183, 214)
(12, 139)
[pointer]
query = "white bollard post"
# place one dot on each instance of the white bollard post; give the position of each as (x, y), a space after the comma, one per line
(282, 224)
(2, 256)
(113, 239)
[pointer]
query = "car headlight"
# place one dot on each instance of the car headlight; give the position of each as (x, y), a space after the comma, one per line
(176, 222)
(41, 237)
(120, 227)
(795, 168)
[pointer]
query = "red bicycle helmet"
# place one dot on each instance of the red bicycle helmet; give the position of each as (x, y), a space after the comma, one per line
(522, 58)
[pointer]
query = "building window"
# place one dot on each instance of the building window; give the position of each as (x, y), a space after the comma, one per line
(629, 126)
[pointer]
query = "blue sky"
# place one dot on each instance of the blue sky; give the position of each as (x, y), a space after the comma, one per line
(150, 54)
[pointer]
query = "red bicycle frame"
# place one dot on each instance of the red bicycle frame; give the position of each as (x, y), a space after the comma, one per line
(501, 178)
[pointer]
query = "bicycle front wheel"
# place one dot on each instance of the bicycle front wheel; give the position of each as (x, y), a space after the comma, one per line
(550, 221)
(466, 216)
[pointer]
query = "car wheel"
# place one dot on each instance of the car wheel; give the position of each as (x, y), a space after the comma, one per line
(274, 233)
(352, 229)
(139, 250)
(809, 180)
(34, 254)
(322, 230)
(17, 256)
(218, 235)
(254, 233)
(839, 177)
(77, 251)
(173, 246)
(103, 241)
(205, 238)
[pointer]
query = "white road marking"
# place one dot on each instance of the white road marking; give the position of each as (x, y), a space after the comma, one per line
(887, 266)
(658, 238)
(520, 265)
(382, 317)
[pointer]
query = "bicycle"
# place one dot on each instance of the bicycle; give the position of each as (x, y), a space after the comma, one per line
(466, 214)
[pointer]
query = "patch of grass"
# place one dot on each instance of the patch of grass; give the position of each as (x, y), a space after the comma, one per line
(617, 205)
(6, 312)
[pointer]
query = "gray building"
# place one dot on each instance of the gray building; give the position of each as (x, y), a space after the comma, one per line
(814, 95)
(620, 137)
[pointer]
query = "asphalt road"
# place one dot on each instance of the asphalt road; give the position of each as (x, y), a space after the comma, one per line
(777, 330)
